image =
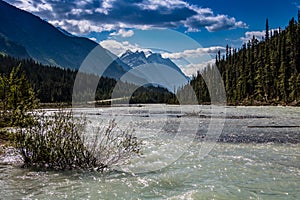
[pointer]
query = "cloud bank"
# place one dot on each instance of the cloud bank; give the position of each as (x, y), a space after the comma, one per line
(123, 33)
(84, 16)
(119, 48)
(194, 52)
(259, 35)
(192, 69)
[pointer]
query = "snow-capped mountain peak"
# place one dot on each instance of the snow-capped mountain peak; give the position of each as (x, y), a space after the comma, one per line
(135, 59)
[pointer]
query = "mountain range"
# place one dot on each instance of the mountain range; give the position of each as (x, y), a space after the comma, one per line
(24, 35)
(155, 69)
(134, 59)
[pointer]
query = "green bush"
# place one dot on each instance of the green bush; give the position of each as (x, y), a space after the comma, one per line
(60, 141)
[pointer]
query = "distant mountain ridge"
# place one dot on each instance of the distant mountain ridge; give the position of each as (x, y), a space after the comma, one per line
(23, 35)
(43, 42)
(135, 59)
(8, 47)
(155, 69)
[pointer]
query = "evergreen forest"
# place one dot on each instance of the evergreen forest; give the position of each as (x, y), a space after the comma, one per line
(55, 85)
(263, 72)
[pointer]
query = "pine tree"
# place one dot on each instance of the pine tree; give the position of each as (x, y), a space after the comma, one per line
(283, 80)
(17, 98)
(267, 30)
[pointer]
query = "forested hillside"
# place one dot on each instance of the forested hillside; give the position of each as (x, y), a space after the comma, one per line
(261, 72)
(53, 84)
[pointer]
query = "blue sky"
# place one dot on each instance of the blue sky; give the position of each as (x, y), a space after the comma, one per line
(200, 27)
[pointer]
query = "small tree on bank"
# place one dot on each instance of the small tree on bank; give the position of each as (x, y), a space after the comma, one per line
(17, 97)
(58, 141)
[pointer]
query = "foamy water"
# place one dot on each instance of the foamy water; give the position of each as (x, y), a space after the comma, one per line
(173, 165)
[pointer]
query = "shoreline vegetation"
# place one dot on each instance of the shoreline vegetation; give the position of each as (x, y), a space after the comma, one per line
(57, 141)
(253, 103)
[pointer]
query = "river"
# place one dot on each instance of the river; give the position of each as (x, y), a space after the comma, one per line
(189, 152)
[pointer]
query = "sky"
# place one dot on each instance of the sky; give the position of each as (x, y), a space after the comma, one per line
(189, 32)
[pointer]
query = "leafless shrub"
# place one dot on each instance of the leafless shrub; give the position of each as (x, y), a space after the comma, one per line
(60, 142)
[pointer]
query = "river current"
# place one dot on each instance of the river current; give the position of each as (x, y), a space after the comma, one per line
(189, 152)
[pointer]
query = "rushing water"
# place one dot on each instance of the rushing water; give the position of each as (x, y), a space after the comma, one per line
(247, 166)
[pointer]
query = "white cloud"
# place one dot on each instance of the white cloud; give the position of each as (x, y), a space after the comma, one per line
(79, 12)
(205, 17)
(76, 11)
(84, 26)
(192, 69)
(259, 35)
(31, 7)
(57, 23)
(223, 22)
(249, 35)
(119, 48)
(81, 26)
(194, 52)
(93, 39)
(45, 6)
(156, 4)
(83, 3)
(107, 5)
(123, 33)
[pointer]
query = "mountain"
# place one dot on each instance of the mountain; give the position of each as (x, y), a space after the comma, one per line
(155, 69)
(8, 47)
(157, 58)
(135, 59)
(24, 35)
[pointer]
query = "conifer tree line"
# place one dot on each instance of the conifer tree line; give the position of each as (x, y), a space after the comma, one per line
(55, 85)
(260, 72)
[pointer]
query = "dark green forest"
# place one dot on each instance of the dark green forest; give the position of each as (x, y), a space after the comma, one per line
(263, 72)
(55, 85)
